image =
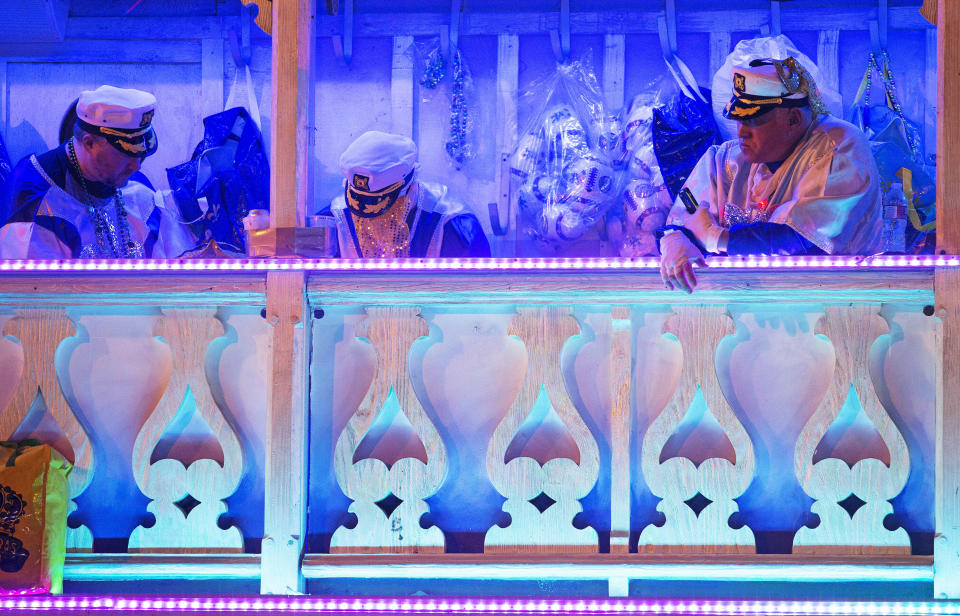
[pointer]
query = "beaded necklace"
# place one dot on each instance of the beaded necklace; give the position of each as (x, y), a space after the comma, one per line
(890, 87)
(110, 242)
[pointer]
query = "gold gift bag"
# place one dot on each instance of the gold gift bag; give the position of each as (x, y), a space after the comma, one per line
(33, 517)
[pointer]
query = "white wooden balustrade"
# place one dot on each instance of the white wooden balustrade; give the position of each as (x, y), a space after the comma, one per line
(599, 412)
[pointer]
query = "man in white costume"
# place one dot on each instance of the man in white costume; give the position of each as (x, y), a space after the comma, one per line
(86, 197)
(795, 181)
(386, 212)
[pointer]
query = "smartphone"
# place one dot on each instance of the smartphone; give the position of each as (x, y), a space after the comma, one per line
(689, 201)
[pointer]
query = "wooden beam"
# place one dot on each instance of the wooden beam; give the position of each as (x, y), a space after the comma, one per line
(828, 59)
(105, 51)
(719, 50)
(284, 519)
(946, 547)
(614, 46)
(285, 494)
(211, 80)
(4, 102)
(930, 94)
(401, 86)
(621, 429)
(611, 22)
(291, 65)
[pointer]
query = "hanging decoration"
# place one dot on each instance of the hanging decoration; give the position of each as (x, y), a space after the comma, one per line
(457, 146)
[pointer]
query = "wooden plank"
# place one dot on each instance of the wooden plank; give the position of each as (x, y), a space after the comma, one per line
(401, 86)
(726, 567)
(428, 24)
(828, 59)
(108, 567)
(621, 429)
(285, 496)
(508, 70)
(948, 128)
(614, 46)
(930, 95)
(106, 51)
(130, 27)
(608, 287)
(719, 50)
(946, 546)
(4, 105)
(290, 62)
(150, 8)
(211, 75)
(143, 289)
(633, 22)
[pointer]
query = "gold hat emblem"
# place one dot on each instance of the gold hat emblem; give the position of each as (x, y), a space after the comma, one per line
(361, 181)
(739, 83)
(146, 118)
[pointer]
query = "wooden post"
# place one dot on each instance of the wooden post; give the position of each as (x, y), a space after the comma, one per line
(285, 473)
(285, 495)
(946, 550)
(289, 144)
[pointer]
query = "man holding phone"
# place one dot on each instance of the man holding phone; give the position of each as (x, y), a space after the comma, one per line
(796, 181)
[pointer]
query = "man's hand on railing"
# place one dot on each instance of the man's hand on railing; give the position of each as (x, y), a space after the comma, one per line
(677, 257)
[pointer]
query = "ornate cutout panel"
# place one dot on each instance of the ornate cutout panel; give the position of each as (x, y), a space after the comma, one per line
(40, 331)
(697, 499)
(389, 496)
(852, 489)
(542, 499)
(187, 524)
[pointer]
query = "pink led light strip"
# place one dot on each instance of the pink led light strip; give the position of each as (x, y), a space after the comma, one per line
(559, 264)
(436, 605)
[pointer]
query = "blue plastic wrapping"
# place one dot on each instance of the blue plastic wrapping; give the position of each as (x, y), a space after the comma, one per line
(230, 169)
(683, 129)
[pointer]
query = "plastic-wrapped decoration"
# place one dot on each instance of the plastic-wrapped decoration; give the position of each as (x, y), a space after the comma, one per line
(568, 164)
(646, 199)
(231, 170)
(683, 129)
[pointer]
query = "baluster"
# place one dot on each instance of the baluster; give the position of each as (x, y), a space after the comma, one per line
(389, 488)
(697, 488)
(40, 331)
(836, 471)
(189, 470)
(542, 494)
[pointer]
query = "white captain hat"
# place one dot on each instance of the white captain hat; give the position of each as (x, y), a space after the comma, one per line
(123, 116)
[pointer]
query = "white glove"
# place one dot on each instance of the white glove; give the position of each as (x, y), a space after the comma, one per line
(677, 257)
(705, 228)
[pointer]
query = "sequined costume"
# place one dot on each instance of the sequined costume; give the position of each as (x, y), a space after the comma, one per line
(438, 227)
(824, 198)
(49, 216)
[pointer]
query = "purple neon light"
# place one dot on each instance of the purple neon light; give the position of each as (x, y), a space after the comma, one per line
(438, 605)
(537, 264)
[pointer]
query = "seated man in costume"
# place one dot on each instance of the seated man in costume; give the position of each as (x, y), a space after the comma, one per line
(386, 212)
(796, 181)
(75, 201)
